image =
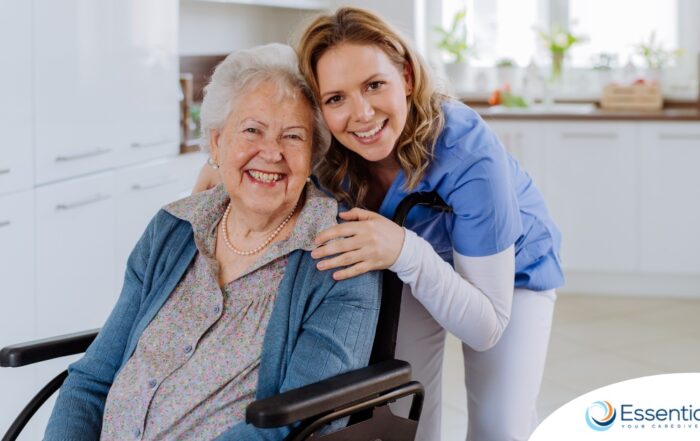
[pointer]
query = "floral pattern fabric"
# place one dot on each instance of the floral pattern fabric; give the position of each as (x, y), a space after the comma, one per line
(195, 368)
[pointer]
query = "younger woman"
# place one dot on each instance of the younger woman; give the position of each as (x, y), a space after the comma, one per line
(486, 272)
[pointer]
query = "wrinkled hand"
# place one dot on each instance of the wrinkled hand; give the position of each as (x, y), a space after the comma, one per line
(366, 242)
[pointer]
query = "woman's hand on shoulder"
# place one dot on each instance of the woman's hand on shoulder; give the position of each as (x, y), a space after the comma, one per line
(366, 242)
(207, 178)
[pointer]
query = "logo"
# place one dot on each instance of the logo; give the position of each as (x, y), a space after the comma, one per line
(595, 421)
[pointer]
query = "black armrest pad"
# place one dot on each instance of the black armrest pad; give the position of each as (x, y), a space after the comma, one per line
(318, 398)
(35, 351)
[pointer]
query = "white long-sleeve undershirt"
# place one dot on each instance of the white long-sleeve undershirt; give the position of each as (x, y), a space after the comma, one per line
(472, 300)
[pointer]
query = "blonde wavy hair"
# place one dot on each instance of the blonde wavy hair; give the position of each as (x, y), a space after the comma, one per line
(342, 171)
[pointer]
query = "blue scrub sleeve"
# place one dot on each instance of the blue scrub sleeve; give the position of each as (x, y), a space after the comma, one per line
(486, 211)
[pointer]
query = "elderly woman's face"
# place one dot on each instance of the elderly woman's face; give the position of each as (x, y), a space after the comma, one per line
(264, 150)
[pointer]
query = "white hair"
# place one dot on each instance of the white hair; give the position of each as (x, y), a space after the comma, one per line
(242, 71)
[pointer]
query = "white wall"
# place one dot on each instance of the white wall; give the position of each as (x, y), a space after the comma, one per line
(219, 28)
(401, 14)
(213, 28)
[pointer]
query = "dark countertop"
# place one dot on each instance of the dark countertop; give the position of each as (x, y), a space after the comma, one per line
(670, 114)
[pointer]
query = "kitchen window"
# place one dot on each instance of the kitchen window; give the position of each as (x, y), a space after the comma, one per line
(498, 28)
(506, 28)
(616, 27)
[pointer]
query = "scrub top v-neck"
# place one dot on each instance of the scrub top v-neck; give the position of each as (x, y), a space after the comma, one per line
(495, 203)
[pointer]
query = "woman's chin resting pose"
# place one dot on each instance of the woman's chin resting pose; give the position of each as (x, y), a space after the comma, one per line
(222, 303)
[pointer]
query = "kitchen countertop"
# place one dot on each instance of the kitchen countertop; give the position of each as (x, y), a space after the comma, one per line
(587, 112)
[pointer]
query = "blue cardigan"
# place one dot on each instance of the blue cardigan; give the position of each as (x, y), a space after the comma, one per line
(318, 328)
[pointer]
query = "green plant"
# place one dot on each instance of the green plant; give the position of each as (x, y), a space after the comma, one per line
(505, 63)
(504, 97)
(654, 54)
(453, 41)
(558, 41)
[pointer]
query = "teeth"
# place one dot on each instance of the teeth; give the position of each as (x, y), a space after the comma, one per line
(370, 133)
(265, 177)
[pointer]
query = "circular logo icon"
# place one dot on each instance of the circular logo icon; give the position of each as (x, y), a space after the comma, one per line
(600, 416)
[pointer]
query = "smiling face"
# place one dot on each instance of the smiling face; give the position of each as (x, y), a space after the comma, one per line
(363, 98)
(264, 150)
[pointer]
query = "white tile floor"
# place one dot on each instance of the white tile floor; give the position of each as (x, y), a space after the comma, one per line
(596, 341)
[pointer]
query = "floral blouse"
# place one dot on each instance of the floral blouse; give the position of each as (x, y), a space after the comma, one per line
(195, 368)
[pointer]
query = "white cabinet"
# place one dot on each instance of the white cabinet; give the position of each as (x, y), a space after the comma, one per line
(16, 267)
(77, 83)
(625, 196)
(670, 203)
(16, 296)
(75, 254)
(140, 192)
(525, 142)
(106, 85)
(590, 179)
(16, 155)
(149, 73)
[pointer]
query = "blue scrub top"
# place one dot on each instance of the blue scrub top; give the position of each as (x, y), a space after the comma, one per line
(495, 203)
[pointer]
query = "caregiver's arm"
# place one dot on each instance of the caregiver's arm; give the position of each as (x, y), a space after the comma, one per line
(472, 301)
(206, 179)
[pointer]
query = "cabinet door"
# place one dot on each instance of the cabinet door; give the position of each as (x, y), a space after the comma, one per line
(141, 191)
(591, 185)
(670, 197)
(150, 73)
(16, 297)
(15, 112)
(77, 83)
(524, 141)
(75, 254)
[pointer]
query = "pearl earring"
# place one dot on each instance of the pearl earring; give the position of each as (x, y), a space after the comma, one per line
(212, 164)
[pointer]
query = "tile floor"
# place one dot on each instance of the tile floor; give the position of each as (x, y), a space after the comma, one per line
(596, 341)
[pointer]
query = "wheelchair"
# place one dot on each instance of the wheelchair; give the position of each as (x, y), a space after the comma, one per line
(362, 395)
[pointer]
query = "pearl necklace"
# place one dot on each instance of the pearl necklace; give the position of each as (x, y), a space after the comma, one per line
(272, 235)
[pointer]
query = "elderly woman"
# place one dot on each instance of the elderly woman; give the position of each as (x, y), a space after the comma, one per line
(222, 303)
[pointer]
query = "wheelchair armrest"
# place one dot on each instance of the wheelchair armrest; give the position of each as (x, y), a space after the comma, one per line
(35, 351)
(327, 395)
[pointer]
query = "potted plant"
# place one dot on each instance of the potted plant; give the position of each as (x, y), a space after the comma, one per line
(453, 43)
(655, 56)
(506, 70)
(559, 41)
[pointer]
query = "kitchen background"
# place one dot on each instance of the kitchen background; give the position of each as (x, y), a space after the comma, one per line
(598, 100)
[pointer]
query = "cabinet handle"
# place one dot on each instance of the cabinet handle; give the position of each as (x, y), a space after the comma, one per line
(5, 171)
(139, 187)
(583, 135)
(679, 136)
(92, 200)
(5, 223)
(82, 155)
(142, 145)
